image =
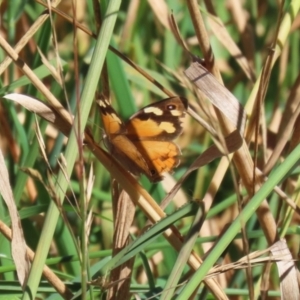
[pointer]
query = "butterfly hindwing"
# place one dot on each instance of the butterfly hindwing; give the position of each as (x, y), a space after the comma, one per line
(144, 143)
(163, 156)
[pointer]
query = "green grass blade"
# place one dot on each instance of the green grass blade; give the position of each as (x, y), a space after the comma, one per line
(184, 254)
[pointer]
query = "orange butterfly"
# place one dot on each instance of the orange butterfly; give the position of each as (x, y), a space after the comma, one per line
(144, 143)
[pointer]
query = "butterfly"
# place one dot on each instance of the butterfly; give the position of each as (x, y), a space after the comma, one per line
(143, 144)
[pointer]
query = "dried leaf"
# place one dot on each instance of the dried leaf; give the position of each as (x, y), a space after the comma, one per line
(287, 271)
(18, 245)
(124, 210)
(219, 96)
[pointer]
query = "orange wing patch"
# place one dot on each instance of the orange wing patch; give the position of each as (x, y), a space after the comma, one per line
(163, 156)
(111, 122)
(144, 129)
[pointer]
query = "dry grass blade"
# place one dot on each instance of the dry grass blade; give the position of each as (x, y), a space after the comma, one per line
(240, 17)
(224, 37)
(34, 79)
(287, 271)
(219, 96)
(56, 75)
(42, 109)
(175, 30)
(124, 217)
(90, 184)
(54, 280)
(280, 255)
(18, 245)
(41, 143)
(287, 125)
(202, 37)
(29, 34)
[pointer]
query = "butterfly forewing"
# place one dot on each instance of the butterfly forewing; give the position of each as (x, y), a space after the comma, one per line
(159, 121)
(111, 122)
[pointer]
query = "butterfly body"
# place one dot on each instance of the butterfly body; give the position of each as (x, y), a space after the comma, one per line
(144, 143)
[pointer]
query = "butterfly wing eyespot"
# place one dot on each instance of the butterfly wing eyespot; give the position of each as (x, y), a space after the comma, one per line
(171, 107)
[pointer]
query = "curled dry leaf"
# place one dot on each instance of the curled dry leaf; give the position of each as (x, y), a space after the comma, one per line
(18, 245)
(43, 110)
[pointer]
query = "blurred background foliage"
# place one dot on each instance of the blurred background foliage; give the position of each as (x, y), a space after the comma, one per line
(142, 33)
